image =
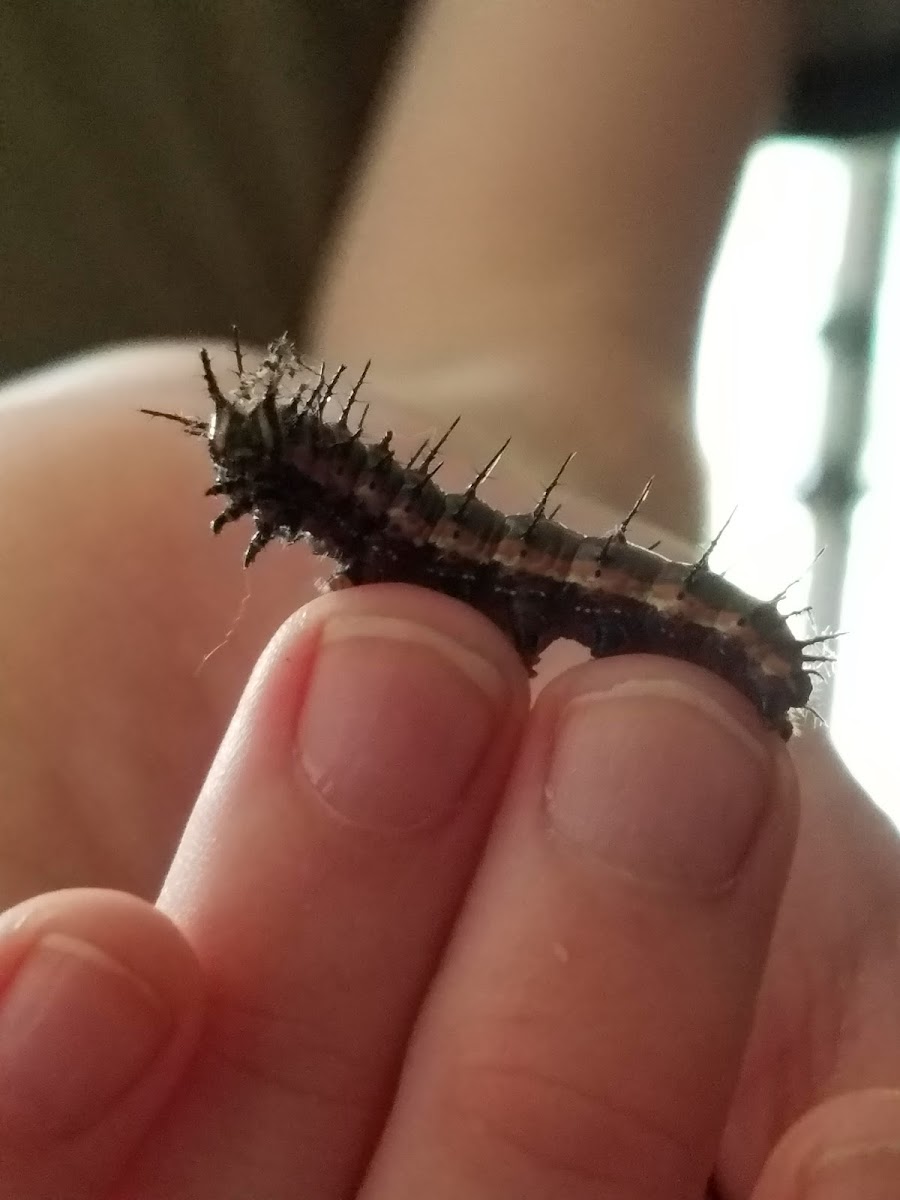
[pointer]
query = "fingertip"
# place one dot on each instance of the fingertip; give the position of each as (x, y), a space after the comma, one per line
(847, 1148)
(460, 625)
(679, 679)
(691, 780)
(120, 926)
(411, 624)
(100, 1006)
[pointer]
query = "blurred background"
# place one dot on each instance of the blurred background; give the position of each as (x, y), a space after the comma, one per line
(798, 416)
(169, 172)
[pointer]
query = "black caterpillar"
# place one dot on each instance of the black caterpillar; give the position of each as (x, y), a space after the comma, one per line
(304, 478)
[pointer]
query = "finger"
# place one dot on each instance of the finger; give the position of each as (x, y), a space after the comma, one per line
(317, 879)
(100, 1007)
(532, 223)
(846, 1149)
(586, 1029)
(103, 514)
(827, 1019)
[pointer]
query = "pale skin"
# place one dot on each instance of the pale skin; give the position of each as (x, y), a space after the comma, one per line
(420, 938)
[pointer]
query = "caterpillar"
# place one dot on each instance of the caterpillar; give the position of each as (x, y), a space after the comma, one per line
(304, 478)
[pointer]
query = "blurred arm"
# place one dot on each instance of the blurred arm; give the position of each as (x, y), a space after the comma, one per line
(531, 231)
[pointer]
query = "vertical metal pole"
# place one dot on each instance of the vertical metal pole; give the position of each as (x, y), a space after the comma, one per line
(836, 483)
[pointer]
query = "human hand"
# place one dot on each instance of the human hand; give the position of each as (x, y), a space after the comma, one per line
(550, 928)
(575, 1009)
(108, 722)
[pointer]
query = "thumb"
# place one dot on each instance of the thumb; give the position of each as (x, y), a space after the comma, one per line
(99, 1009)
(845, 1149)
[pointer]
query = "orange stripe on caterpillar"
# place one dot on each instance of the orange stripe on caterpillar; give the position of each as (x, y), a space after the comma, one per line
(304, 479)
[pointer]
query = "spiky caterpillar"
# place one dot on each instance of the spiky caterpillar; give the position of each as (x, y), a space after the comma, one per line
(304, 478)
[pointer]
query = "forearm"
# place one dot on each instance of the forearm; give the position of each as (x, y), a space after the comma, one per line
(559, 301)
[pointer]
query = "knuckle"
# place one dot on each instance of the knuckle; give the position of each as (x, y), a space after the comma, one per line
(297, 1058)
(548, 1118)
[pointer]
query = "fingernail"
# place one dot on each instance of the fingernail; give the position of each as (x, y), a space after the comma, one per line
(396, 721)
(659, 781)
(863, 1173)
(77, 1030)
